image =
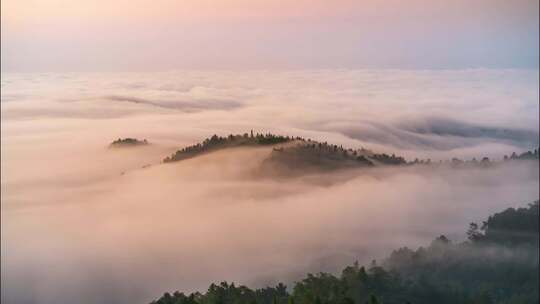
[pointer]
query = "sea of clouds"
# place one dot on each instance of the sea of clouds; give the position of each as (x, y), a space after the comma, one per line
(82, 223)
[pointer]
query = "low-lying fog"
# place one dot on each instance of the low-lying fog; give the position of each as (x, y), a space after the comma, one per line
(82, 223)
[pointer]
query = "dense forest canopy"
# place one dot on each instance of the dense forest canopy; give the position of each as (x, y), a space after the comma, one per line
(497, 264)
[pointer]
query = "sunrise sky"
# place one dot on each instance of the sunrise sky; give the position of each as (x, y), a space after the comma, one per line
(431, 80)
(118, 35)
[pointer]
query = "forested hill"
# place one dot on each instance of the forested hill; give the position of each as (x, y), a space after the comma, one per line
(498, 264)
(215, 143)
(291, 150)
(128, 142)
(297, 152)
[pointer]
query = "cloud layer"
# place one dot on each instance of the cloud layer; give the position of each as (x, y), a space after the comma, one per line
(186, 106)
(77, 230)
(434, 133)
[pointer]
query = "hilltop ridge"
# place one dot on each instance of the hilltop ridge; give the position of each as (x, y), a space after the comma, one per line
(290, 149)
(216, 142)
(291, 153)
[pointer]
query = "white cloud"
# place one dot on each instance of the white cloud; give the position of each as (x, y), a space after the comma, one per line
(74, 228)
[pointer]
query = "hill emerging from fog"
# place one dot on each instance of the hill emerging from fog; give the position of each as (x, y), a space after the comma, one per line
(291, 152)
(297, 154)
(128, 142)
(216, 143)
(498, 264)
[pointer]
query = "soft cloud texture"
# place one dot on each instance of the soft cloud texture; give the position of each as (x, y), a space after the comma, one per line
(85, 224)
(433, 133)
(189, 106)
(440, 113)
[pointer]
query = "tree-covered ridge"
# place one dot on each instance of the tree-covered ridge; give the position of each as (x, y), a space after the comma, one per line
(485, 161)
(128, 142)
(525, 155)
(305, 148)
(216, 142)
(299, 152)
(510, 227)
(309, 154)
(493, 266)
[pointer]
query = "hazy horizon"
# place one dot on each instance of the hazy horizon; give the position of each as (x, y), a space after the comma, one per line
(423, 79)
(144, 35)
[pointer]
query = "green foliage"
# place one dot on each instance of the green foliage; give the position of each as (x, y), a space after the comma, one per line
(498, 266)
(513, 227)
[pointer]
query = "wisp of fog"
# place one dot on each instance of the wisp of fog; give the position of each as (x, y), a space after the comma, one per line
(83, 223)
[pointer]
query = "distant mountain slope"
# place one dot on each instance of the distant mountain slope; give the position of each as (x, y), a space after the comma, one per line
(128, 142)
(308, 155)
(216, 143)
(291, 152)
(296, 153)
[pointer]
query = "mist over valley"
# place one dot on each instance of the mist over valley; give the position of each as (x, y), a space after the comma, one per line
(85, 222)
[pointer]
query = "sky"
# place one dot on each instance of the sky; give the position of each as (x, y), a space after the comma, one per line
(158, 35)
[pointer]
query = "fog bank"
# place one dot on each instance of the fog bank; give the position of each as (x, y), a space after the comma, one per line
(82, 223)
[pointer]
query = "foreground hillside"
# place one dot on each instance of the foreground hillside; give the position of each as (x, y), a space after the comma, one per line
(498, 264)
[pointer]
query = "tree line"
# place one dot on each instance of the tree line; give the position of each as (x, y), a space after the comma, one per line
(328, 151)
(498, 264)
